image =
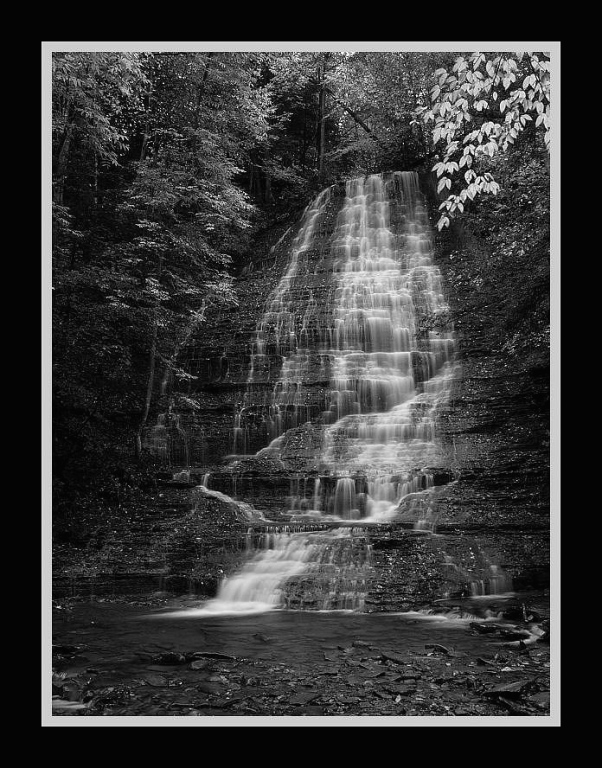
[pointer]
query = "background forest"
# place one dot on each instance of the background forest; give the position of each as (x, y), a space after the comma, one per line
(167, 167)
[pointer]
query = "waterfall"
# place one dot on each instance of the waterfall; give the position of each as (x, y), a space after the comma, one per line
(361, 310)
(382, 340)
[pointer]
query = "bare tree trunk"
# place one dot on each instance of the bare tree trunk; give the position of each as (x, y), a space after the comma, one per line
(149, 391)
(203, 83)
(95, 183)
(321, 117)
(61, 165)
(146, 135)
(269, 197)
(251, 176)
(353, 114)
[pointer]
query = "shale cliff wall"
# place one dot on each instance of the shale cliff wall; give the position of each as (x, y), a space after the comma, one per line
(496, 430)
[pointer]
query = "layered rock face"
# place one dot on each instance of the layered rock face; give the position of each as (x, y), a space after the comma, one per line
(299, 356)
(499, 422)
(350, 360)
(221, 358)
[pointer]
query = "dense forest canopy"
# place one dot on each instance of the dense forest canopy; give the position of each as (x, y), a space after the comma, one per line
(167, 165)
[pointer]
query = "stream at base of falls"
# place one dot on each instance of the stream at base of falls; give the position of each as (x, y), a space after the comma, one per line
(157, 656)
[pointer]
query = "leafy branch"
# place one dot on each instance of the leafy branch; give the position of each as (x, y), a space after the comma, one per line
(474, 119)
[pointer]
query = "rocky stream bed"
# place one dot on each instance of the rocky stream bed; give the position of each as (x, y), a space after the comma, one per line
(154, 657)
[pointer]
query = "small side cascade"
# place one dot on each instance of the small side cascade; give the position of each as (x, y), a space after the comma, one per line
(319, 570)
(168, 440)
(478, 577)
(493, 581)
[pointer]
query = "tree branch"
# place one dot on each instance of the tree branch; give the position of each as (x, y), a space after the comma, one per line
(355, 116)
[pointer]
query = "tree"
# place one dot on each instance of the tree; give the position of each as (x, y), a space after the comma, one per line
(90, 94)
(478, 111)
(378, 93)
(149, 215)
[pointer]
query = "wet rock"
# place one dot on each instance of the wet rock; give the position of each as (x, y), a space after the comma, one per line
(355, 680)
(521, 612)
(225, 703)
(545, 636)
(345, 648)
(486, 629)
(409, 676)
(514, 634)
(241, 511)
(394, 657)
(218, 679)
(510, 690)
(180, 705)
(513, 706)
(438, 648)
(348, 699)
(110, 697)
(304, 697)
(542, 698)
(200, 664)
(210, 688)
(157, 681)
(382, 695)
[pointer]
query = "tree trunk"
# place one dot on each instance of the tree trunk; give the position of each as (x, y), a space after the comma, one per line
(321, 117)
(146, 135)
(95, 182)
(269, 197)
(251, 176)
(61, 165)
(201, 86)
(354, 115)
(149, 391)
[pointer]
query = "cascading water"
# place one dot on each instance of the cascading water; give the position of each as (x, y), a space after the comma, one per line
(389, 371)
(168, 440)
(382, 341)
(319, 570)
(386, 385)
(278, 329)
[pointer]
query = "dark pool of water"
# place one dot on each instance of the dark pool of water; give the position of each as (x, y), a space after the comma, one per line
(116, 633)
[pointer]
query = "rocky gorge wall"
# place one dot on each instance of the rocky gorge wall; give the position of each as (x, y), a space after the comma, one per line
(493, 494)
(497, 428)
